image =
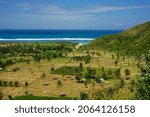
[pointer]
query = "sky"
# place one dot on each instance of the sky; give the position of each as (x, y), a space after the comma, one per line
(73, 14)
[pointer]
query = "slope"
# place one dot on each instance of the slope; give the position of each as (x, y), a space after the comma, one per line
(133, 41)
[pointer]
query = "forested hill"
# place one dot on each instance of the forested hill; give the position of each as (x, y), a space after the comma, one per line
(133, 41)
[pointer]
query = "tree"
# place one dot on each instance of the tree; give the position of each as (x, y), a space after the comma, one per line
(28, 61)
(110, 73)
(1, 83)
(79, 77)
(143, 81)
(26, 84)
(26, 89)
(59, 84)
(52, 69)
(11, 84)
(112, 56)
(1, 95)
(127, 72)
(87, 59)
(86, 82)
(116, 63)
(37, 57)
(81, 67)
(118, 56)
(91, 73)
(69, 68)
(103, 70)
(117, 73)
(5, 83)
(43, 76)
(10, 97)
(110, 91)
(120, 84)
(16, 84)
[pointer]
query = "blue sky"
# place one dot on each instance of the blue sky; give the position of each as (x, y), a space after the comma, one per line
(73, 14)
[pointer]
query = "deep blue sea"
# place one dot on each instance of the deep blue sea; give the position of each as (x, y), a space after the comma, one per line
(79, 36)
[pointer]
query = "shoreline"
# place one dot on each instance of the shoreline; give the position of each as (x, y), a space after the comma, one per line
(80, 41)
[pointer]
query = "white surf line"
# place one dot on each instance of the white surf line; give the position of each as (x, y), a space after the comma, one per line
(50, 39)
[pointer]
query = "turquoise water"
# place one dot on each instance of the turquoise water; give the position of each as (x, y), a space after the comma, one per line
(79, 36)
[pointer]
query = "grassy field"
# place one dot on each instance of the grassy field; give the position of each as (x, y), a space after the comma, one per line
(51, 79)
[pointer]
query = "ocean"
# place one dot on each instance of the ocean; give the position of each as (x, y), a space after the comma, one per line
(78, 36)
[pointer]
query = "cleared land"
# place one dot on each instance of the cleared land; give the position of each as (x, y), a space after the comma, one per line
(40, 78)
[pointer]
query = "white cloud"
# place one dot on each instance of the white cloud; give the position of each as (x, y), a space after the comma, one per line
(88, 13)
(93, 9)
(24, 6)
(55, 9)
(118, 24)
(99, 9)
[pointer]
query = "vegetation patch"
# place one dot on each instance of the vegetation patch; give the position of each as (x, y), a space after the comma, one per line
(67, 70)
(41, 98)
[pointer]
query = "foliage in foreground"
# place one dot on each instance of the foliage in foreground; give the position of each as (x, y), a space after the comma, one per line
(141, 86)
(143, 82)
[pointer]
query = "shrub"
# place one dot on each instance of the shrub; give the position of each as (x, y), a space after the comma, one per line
(127, 72)
(1, 83)
(84, 96)
(26, 84)
(16, 84)
(16, 69)
(10, 97)
(117, 73)
(1, 95)
(143, 82)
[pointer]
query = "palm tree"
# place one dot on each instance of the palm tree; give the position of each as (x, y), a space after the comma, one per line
(81, 67)
(16, 84)
(118, 73)
(116, 63)
(52, 69)
(43, 76)
(59, 85)
(26, 85)
(127, 72)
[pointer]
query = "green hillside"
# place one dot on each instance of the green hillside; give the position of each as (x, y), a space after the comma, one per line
(133, 41)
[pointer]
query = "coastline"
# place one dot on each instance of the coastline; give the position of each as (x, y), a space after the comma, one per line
(77, 36)
(53, 40)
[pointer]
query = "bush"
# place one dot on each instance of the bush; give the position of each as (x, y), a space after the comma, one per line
(1, 83)
(127, 72)
(84, 96)
(16, 84)
(1, 95)
(142, 84)
(10, 97)
(16, 69)
(117, 73)
(98, 95)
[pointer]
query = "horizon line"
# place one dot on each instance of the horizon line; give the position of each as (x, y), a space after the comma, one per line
(57, 29)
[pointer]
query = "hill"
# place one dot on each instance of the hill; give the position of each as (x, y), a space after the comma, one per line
(133, 41)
